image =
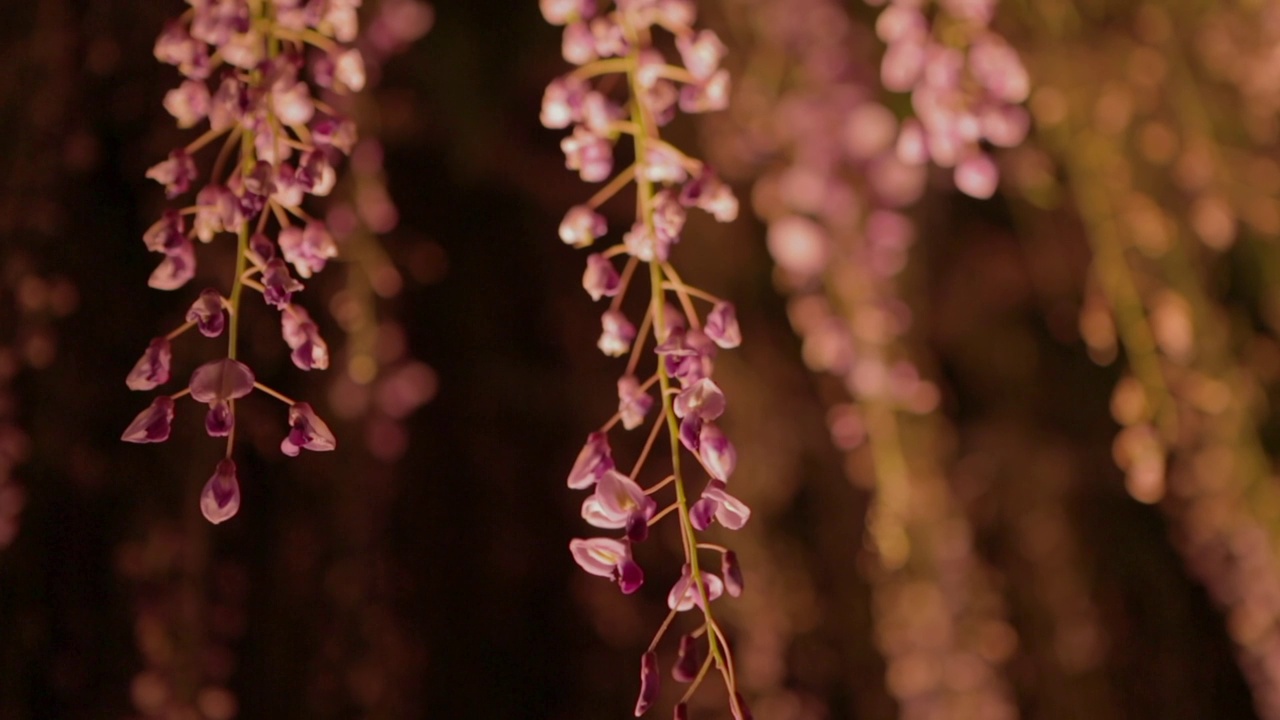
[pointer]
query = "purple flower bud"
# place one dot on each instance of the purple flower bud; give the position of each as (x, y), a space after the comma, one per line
(594, 460)
(307, 248)
(278, 284)
(600, 278)
(175, 46)
(562, 102)
(732, 572)
(688, 660)
(219, 421)
(303, 337)
(188, 103)
(178, 267)
(306, 431)
(217, 210)
(650, 683)
(221, 380)
(589, 154)
(220, 498)
(175, 173)
(151, 425)
(703, 399)
(701, 53)
(630, 577)
(578, 46)
(166, 233)
(722, 326)
(253, 190)
(207, 313)
(668, 216)
(633, 404)
(581, 226)
(717, 453)
(690, 429)
(316, 173)
(152, 369)
(977, 176)
(684, 594)
(615, 340)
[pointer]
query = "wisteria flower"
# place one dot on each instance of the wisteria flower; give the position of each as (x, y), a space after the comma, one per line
(684, 594)
(303, 337)
(594, 460)
(176, 173)
(606, 557)
(220, 498)
(633, 403)
(581, 226)
(153, 424)
(703, 398)
(306, 432)
(618, 334)
(600, 279)
(307, 248)
(208, 314)
(217, 383)
(152, 369)
(722, 326)
(650, 683)
(278, 285)
(716, 452)
(719, 505)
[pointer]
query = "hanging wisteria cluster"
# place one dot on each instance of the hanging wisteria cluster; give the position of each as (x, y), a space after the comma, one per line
(604, 45)
(283, 144)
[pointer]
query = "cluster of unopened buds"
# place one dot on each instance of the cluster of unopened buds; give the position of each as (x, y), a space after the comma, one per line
(605, 45)
(243, 62)
(966, 83)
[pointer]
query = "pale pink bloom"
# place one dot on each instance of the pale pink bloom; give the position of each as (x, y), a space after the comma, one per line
(633, 404)
(188, 103)
(702, 398)
(716, 503)
(668, 217)
(610, 40)
(291, 101)
(599, 113)
(349, 71)
(594, 460)
(217, 210)
(606, 557)
(869, 130)
(722, 326)
(996, 66)
(578, 46)
(244, 50)
(684, 594)
(643, 245)
(303, 338)
(902, 64)
(1005, 126)
(278, 284)
(701, 53)
(912, 148)
(220, 498)
(617, 335)
(900, 21)
(559, 12)
(588, 153)
(581, 226)
(175, 173)
(307, 248)
(717, 453)
(152, 369)
(306, 432)
(618, 501)
(151, 425)
(977, 176)
(799, 245)
(600, 278)
(663, 164)
(562, 102)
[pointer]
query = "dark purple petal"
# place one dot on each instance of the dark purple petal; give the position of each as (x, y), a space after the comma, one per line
(688, 660)
(650, 683)
(152, 369)
(732, 572)
(702, 513)
(303, 337)
(681, 712)
(690, 429)
(278, 285)
(630, 576)
(151, 425)
(307, 431)
(637, 527)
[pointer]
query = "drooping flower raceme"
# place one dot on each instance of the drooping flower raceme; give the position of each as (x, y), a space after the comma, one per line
(250, 68)
(619, 41)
